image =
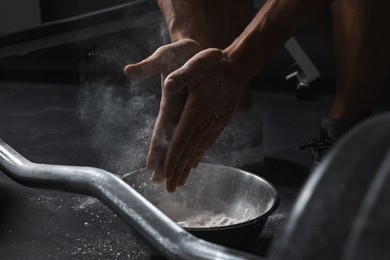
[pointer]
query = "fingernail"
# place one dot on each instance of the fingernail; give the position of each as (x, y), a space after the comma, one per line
(156, 179)
(170, 188)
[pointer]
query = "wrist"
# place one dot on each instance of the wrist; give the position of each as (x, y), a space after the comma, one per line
(179, 33)
(239, 62)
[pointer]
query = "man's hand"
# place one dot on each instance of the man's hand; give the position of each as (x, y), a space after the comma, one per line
(164, 60)
(214, 93)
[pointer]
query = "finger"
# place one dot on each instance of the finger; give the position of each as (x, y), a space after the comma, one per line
(163, 131)
(204, 149)
(158, 173)
(155, 166)
(184, 176)
(198, 157)
(165, 59)
(194, 69)
(181, 138)
(171, 185)
(146, 68)
(201, 140)
(184, 163)
(157, 153)
(154, 153)
(187, 137)
(193, 163)
(183, 76)
(157, 178)
(169, 114)
(157, 146)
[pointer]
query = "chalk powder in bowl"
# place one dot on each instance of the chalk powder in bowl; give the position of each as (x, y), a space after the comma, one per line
(197, 218)
(208, 219)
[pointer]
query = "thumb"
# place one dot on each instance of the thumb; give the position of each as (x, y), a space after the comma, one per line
(190, 72)
(179, 79)
(146, 68)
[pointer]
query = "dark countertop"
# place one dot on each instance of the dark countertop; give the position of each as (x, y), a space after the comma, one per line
(46, 124)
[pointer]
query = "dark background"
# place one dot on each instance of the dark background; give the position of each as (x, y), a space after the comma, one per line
(315, 37)
(40, 117)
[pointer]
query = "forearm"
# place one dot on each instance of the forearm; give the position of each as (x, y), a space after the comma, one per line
(271, 27)
(178, 19)
(211, 23)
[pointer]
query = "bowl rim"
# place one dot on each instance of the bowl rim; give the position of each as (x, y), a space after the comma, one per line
(232, 226)
(248, 222)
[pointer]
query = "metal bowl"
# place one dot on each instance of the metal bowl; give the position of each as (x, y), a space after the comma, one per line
(214, 189)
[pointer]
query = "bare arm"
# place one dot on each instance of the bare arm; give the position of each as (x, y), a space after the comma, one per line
(211, 23)
(193, 25)
(180, 24)
(215, 80)
(268, 31)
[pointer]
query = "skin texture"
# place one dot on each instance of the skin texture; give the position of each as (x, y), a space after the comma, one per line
(362, 54)
(164, 60)
(207, 26)
(204, 80)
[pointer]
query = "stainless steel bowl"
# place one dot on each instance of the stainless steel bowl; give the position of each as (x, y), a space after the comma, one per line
(217, 189)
